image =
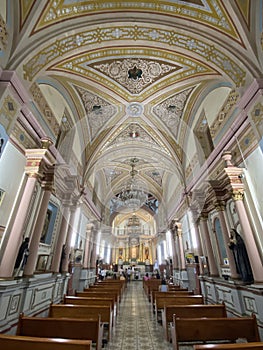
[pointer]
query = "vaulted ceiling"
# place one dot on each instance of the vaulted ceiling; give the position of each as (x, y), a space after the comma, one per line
(130, 77)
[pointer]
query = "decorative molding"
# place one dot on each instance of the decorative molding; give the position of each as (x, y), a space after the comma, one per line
(3, 34)
(124, 135)
(45, 109)
(225, 113)
(98, 111)
(8, 112)
(64, 46)
(170, 111)
(211, 13)
(150, 72)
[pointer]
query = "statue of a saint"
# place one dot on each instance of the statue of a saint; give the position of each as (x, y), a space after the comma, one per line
(237, 245)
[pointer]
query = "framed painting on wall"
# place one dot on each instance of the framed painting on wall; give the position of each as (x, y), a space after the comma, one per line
(49, 224)
(42, 262)
(2, 194)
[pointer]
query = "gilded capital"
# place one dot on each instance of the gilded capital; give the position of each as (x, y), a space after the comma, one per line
(220, 206)
(238, 195)
(46, 142)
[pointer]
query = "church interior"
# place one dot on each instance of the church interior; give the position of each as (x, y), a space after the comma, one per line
(131, 141)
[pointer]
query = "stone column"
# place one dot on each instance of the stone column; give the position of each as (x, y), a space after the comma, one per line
(199, 245)
(151, 252)
(252, 250)
(37, 162)
(232, 265)
(65, 262)
(172, 228)
(38, 229)
(89, 232)
(16, 234)
(211, 258)
(55, 266)
(181, 247)
(94, 248)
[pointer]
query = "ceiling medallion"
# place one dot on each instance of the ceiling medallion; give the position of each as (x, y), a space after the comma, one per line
(134, 109)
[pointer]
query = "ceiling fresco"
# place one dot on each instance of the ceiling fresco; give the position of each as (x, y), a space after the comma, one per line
(134, 76)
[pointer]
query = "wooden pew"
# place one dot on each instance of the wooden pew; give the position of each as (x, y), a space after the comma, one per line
(93, 301)
(46, 327)
(177, 292)
(83, 311)
(150, 285)
(101, 288)
(213, 329)
(99, 293)
(192, 311)
(109, 282)
(239, 346)
(172, 287)
(16, 342)
(160, 301)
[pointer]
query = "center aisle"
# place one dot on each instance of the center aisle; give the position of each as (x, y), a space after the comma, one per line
(136, 327)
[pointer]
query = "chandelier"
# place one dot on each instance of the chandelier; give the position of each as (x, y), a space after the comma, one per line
(132, 195)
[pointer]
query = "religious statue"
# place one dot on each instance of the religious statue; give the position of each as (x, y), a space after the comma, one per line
(22, 256)
(237, 245)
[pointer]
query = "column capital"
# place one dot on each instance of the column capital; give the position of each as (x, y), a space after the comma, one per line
(238, 195)
(203, 217)
(220, 205)
(39, 160)
(175, 226)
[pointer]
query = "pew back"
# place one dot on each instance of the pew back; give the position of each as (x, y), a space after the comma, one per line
(89, 329)
(190, 311)
(99, 293)
(83, 311)
(240, 346)
(89, 301)
(208, 329)
(161, 301)
(15, 342)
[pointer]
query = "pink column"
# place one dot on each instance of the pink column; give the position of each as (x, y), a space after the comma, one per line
(16, 234)
(199, 246)
(211, 259)
(181, 249)
(35, 237)
(253, 254)
(175, 254)
(173, 228)
(232, 264)
(176, 251)
(68, 239)
(86, 260)
(61, 240)
(94, 249)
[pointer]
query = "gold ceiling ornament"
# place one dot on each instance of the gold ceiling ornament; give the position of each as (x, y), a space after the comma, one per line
(55, 53)
(202, 12)
(124, 135)
(108, 67)
(135, 74)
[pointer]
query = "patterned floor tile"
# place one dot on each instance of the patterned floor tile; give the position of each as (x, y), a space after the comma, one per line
(136, 327)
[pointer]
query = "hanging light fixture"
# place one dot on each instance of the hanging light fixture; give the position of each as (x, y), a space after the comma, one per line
(133, 195)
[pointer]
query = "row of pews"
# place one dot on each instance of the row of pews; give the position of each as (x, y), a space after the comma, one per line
(78, 323)
(188, 321)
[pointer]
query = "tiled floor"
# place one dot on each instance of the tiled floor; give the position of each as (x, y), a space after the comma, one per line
(136, 327)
